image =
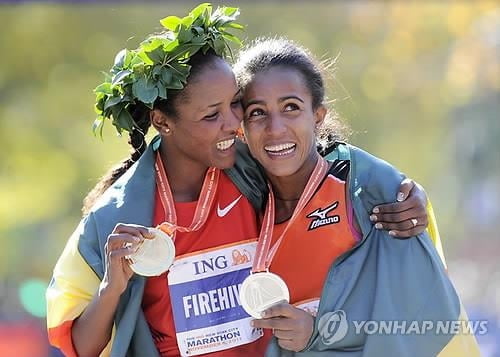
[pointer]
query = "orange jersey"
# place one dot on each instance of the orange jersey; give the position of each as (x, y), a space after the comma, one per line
(316, 238)
(231, 220)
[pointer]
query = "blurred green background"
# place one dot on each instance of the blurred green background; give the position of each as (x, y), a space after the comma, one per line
(419, 84)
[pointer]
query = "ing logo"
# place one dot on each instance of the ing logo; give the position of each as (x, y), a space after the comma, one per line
(320, 217)
(241, 256)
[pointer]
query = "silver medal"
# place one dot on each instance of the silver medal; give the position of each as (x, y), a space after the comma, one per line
(154, 256)
(260, 291)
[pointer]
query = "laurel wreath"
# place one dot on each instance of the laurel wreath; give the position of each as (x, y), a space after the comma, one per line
(160, 63)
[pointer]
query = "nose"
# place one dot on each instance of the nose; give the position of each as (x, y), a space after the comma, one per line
(232, 120)
(276, 125)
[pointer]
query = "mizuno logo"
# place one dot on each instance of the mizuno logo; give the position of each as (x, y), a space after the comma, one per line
(320, 217)
(221, 212)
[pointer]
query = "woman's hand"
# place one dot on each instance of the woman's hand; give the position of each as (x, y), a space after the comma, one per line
(408, 216)
(122, 242)
(292, 326)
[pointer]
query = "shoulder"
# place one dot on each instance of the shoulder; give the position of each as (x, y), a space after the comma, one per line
(369, 166)
(378, 179)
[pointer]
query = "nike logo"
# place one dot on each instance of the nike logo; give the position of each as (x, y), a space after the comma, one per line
(221, 212)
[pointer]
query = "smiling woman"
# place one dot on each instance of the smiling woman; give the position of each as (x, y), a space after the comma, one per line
(274, 99)
(317, 238)
(172, 183)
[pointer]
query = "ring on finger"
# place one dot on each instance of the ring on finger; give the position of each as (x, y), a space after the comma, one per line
(414, 221)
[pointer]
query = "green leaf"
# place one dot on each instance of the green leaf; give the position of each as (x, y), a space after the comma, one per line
(199, 22)
(198, 30)
(179, 72)
(171, 46)
(232, 38)
(230, 11)
(120, 76)
(166, 75)
(162, 91)
(180, 68)
(99, 103)
(145, 58)
(170, 22)
(105, 88)
(183, 51)
(235, 25)
(120, 58)
(174, 84)
(187, 21)
(124, 120)
(223, 21)
(199, 40)
(98, 125)
(185, 34)
(152, 44)
(156, 71)
(200, 9)
(219, 45)
(144, 90)
(135, 60)
(111, 101)
(207, 14)
(157, 55)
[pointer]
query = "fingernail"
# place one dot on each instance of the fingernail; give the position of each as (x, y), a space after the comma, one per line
(375, 210)
(378, 225)
(263, 314)
(401, 197)
(392, 233)
(373, 218)
(252, 323)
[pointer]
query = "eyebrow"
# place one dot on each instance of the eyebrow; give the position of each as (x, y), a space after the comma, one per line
(282, 99)
(238, 92)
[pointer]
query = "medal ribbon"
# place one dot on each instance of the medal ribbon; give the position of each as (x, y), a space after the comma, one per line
(264, 254)
(207, 196)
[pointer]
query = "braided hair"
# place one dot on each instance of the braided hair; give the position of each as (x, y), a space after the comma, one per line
(137, 139)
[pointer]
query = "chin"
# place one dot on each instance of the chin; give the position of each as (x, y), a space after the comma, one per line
(278, 170)
(224, 164)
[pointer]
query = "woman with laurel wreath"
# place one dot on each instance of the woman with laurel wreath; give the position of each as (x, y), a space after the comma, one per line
(184, 184)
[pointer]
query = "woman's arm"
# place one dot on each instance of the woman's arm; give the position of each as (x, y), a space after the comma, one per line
(80, 308)
(406, 217)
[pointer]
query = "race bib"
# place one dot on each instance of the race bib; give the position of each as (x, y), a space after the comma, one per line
(204, 292)
(311, 306)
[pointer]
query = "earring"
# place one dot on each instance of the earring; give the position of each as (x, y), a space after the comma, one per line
(167, 130)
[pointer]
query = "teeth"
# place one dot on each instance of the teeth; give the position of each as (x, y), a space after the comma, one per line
(224, 145)
(280, 147)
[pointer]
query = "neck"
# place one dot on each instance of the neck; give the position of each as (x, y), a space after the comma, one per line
(185, 176)
(288, 189)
